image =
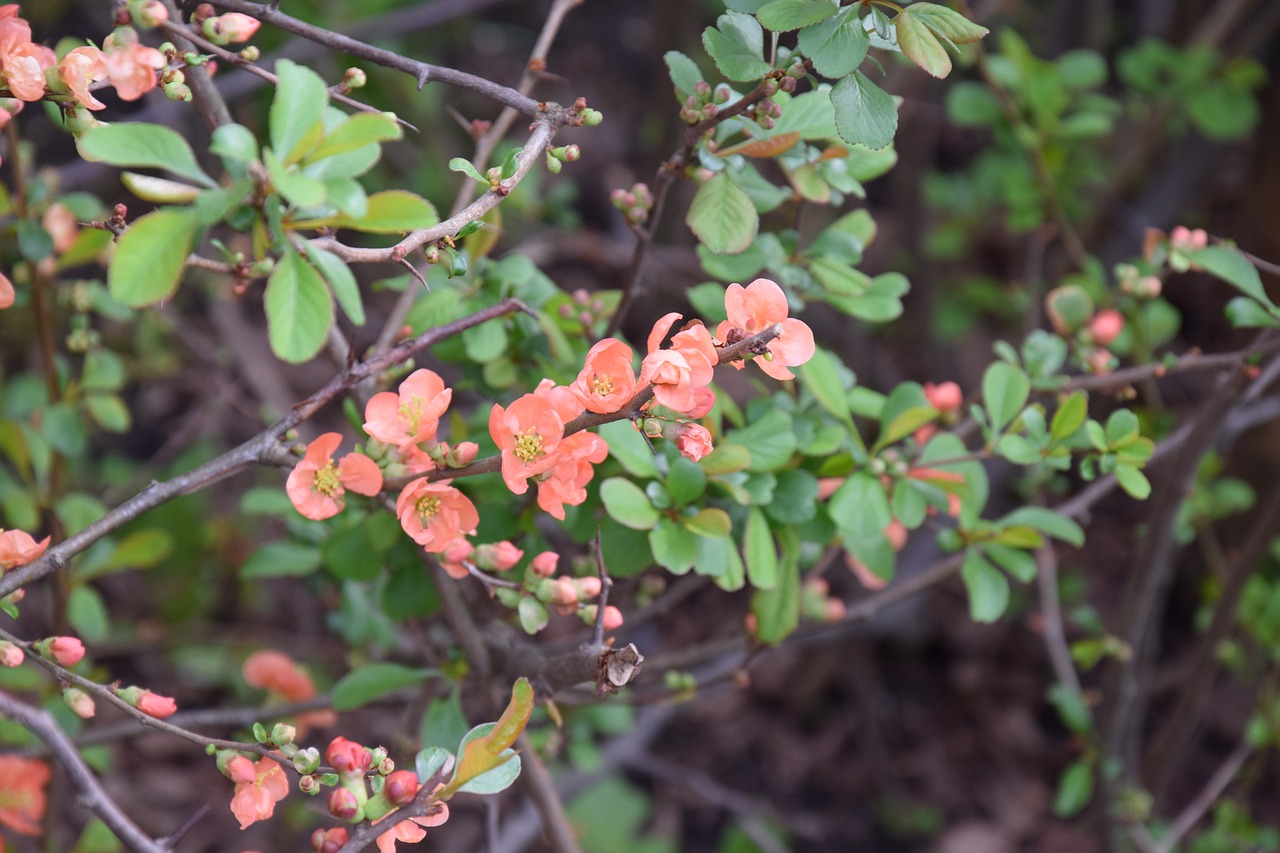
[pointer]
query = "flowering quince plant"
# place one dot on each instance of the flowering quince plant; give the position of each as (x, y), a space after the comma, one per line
(399, 553)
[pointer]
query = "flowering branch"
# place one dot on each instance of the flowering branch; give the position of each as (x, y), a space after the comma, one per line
(92, 795)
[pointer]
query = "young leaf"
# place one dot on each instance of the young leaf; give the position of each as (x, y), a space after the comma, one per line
(298, 189)
(299, 309)
(948, 23)
(150, 255)
(736, 44)
(1234, 268)
(355, 132)
(463, 165)
(919, 44)
(387, 212)
(1070, 416)
(341, 280)
(297, 109)
(141, 145)
(777, 610)
(865, 113)
(1048, 522)
(836, 45)
(723, 216)
(627, 504)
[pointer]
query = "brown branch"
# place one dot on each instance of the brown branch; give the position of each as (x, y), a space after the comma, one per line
(92, 795)
(421, 71)
(208, 100)
(542, 790)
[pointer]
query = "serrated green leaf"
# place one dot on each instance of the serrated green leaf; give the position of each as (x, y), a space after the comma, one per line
(372, 681)
(299, 309)
(685, 74)
(150, 256)
(836, 45)
(782, 16)
(948, 23)
(865, 114)
(736, 45)
(297, 108)
(723, 217)
(987, 585)
(919, 44)
(142, 145)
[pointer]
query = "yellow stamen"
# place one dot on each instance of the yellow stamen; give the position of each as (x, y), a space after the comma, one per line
(326, 481)
(602, 385)
(411, 413)
(427, 507)
(528, 445)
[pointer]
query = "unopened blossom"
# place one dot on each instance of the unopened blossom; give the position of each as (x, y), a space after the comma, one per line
(65, 651)
(677, 373)
(498, 557)
(11, 654)
(757, 307)
(316, 485)
(329, 840)
(347, 757)
(131, 65)
(258, 788)
(18, 548)
(1106, 326)
(435, 514)
(693, 440)
(413, 414)
(544, 565)
(528, 434)
(155, 705)
(608, 381)
(454, 558)
(22, 797)
(704, 399)
(944, 396)
(1187, 239)
(80, 703)
(79, 70)
(61, 225)
(230, 28)
(565, 484)
(149, 13)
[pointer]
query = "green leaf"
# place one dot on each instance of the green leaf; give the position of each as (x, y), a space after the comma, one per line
(948, 23)
(685, 74)
(836, 45)
(392, 212)
(771, 441)
(1005, 390)
(865, 113)
(502, 772)
(355, 132)
(711, 522)
(1133, 481)
(372, 681)
(627, 504)
(686, 481)
(1047, 522)
(463, 165)
(777, 610)
(782, 16)
(150, 256)
(713, 555)
(298, 189)
(64, 429)
(988, 587)
(88, 614)
(142, 549)
(299, 309)
(919, 44)
(109, 412)
(759, 551)
(142, 145)
(1017, 562)
(628, 446)
(723, 216)
(795, 497)
(1123, 429)
(281, 559)
(1070, 416)
(1075, 789)
(736, 44)
(674, 546)
(903, 424)
(860, 507)
(1246, 313)
(1230, 265)
(485, 342)
(148, 188)
(234, 142)
(341, 280)
(821, 375)
(297, 109)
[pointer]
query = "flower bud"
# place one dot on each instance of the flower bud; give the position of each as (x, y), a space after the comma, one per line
(564, 592)
(1106, 326)
(653, 427)
(702, 88)
(308, 785)
(463, 454)
(612, 618)
(283, 734)
(251, 53)
(402, 786)
(240, 770)
(498, 557)
(553, 165)
(693, 441)
(945, 396)
(307, 760)
(587, 587)
(591, 118)
(354, 78)
(148, 13)
(230, 27)
(10, 654)
(543, 565)
(329, 840)
(65, 651)
(343, 805)
(385, 767)
(347, 757)
(80, 703)
(155, 705)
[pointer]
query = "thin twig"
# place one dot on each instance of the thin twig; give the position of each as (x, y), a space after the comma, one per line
(91, 792)
(606, 583)
(208, 100)
(1204, 800)
(1055, 636)
(542, 790)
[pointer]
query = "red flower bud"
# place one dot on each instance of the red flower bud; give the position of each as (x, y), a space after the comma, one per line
(347, 757)
(402, 786)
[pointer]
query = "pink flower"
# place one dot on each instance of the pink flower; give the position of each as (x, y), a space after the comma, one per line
(1106, 326)
(160, 707)
(22, 797)
(22, 63)
(316, 486)
(60, 224)
(453, 559)
(277, 673)
(694, 441)
(257, 790)
(677, 373)
(131, 66)
(435, 514)
(347, 757)
(411, 416)
(79, 70)
(528, 434)
(574, 467)
(10, 654)
(230, 27)
(18, 548)
(607, 382)
(753, 309)
(945, 396)
(65, 651)
(704, 399)
(544, 564)
(6, 292)
(414, 829)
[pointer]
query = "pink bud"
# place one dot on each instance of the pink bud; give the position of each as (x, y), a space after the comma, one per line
(402, 786)
(1100, 361)
(694, 441)
(896, 533)
(498, 557)
(945, 396)
(155, 705)
(66, 651)
(235, 27)
(241, 770)
(347, 757)
(464, 453)
(458, 551)
(565, 592)
(80, 703)
(612, 618)
(10, 654)
(833, 610)
(543, 565)
(150, 14)
(704, 399)
(1149, 286)
(343, 805)
(587, 587)
(329, 840)
(827, 486)
(1106, 326)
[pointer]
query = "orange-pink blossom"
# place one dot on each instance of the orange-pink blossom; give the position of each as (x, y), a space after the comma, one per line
(22, 798)
(414, 829)
(316, 485)
(565, 484)
(411, 416)
(756, 307)
(677, 374)
(528, 433)
(6, 292)
(22, 63)
(17, 548)
(607, 381)
(131, 65)
(694, 441)
(435, 514)
(258, 788)
(79, 70)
